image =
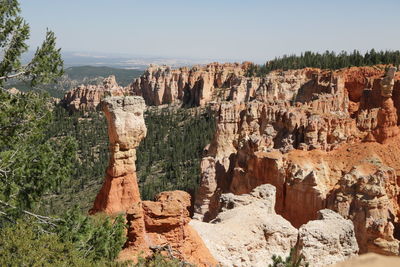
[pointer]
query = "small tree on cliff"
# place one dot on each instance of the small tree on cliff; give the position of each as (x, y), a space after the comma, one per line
(46, 64)
(292, 260)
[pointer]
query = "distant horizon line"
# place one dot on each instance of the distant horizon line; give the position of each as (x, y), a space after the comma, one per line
(122, 60)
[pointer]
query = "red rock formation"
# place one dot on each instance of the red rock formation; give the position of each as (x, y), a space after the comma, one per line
(386, 121)
(126, 128)
(300, 144)
(357, 79)
(88, 97)
(166, 220)
(150, 224)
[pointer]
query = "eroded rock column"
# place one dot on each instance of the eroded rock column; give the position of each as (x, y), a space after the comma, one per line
(126, 128)
(387, 114)
(163, 223)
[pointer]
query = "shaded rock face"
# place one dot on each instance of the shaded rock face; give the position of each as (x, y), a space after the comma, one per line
(370, 199)
(88, 97)
(150, 224)
(328, 240)
(248, 232)
(306, 147)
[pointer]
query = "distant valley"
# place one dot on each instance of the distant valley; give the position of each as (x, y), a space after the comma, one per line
(78, 75)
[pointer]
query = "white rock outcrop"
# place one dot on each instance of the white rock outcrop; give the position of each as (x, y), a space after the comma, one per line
(248, 231)
(328, 240)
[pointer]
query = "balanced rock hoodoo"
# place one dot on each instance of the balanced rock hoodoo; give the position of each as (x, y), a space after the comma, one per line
(164, 222)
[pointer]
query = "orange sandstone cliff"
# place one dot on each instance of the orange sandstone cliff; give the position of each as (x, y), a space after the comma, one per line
(324, 139)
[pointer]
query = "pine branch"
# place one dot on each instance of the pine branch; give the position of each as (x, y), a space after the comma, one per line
(40, 218)
(6, 77)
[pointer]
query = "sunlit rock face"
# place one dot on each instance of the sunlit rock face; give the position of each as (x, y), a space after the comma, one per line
(327, 240)
(248, 232)
(194, 86)
(330, 127)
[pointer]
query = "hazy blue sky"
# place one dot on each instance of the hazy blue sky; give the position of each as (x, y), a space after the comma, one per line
(215, 29)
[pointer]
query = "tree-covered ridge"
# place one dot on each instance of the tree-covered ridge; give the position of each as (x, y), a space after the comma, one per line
(169, 157)
(89, 130)
(327, 60)
(124, 77)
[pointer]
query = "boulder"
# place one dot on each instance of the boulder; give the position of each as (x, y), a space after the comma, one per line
(248, 232)
(328, 240)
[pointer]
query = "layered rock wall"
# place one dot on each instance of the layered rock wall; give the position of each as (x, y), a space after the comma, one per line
(300, 147)
(192, 86)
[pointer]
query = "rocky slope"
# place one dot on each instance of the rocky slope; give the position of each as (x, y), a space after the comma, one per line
(248, 232)
(328, 141)
(151, 224)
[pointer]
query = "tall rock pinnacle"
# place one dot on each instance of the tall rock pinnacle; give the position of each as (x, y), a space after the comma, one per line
(164, 222)
(126, 128)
